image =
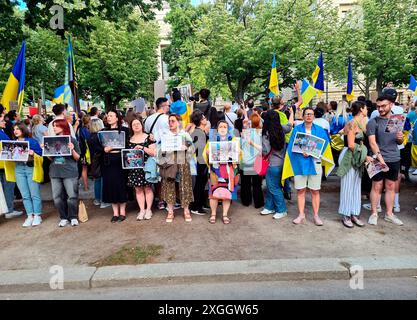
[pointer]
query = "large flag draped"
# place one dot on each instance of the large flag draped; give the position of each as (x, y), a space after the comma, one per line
(413, 85)
(296, 164)
(307, 93)
(71, 86)
(273, 80)
(318, 76)
(15, 87)
(349, 91)
(182, 109)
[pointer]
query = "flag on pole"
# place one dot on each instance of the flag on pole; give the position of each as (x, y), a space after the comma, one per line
(318, 76)
(349, 91)
(413, 85)
(307, 93)
(15, 87)
(59, 95)
(273, 80)
(71, 86)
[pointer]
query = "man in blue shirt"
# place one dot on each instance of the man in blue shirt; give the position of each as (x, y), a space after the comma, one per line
(8, 187)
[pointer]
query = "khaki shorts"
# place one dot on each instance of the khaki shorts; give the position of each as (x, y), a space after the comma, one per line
(312, 182)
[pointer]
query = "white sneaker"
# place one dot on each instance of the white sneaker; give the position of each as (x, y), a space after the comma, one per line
(148, 215)
(373, 219)
(415, 172)
(96, 202)
(28, 222)
(397, 209)
(141, 215)
(393, 219)
(37, 220)
(105, 205)
(63, 223)
(367, 206)
(279, 215)
(74, 222)
(265, 212)
(13, 214)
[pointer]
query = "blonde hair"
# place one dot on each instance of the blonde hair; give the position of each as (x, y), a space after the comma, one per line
(37, 119)
(341, 111)
(96, 125)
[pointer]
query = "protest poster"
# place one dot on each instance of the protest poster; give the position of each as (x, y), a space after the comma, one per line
(395, 123)
(56, 146)
(170, 143)
(133, 159)
(14, 150)
(113, 139)
(309, 144)
(375, 167)
(224, 152)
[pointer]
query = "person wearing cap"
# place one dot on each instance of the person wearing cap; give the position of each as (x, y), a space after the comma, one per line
(384, 148)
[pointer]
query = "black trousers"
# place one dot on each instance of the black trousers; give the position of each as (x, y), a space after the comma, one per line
(251, 187)
(200, 195)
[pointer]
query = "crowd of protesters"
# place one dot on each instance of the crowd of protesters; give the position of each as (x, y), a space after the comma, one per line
(187, 177)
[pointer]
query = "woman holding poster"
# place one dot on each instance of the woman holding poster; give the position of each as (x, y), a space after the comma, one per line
(174, 162)
(224, 175)
(136, 177)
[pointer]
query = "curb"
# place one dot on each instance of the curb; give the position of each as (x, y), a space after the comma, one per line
(216, 271)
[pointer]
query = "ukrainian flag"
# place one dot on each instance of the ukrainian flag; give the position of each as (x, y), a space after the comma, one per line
(296, 164)
(307, 93)
(59, 95)
(349, 92)
(71, 86)
(15, 87)
(273, 80)
(182, 109)
(413, 85)
(318, 76)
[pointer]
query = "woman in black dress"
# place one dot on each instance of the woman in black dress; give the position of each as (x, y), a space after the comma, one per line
(114, 177)
(136, 177)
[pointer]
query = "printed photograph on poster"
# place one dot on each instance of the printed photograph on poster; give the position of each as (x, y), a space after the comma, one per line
(133, 159)
(56, 146)
(171, 143)
(224, 152)
(375, 167)
(309, 144)
(14, 150)
(113, 139)
(395, 123)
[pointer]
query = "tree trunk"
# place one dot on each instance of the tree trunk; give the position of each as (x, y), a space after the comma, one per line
(379, 84)
(108, 102)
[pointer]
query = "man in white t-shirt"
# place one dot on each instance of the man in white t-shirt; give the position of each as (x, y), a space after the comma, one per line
(60, 113)
(157, 123)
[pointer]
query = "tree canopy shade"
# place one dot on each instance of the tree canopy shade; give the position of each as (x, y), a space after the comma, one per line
(232, 41)
(78, 13)
(229, 43)
(119, 60)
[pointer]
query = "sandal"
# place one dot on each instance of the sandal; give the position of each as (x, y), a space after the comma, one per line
(170, 217)
(212, 219)
(226, 220)
(187, 217)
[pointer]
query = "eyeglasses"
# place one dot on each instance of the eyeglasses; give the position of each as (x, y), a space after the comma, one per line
(309, 114)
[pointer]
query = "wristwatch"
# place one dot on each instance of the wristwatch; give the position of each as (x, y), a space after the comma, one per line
(376, 155)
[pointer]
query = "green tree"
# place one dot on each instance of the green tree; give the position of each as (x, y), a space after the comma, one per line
(119, 60)
(380, 37)
(78, 14)
(231, 42)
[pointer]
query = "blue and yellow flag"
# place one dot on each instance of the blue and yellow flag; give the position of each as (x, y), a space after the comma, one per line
(59, 95)
(307, 93)
(182, 109)
(318, 76)
(349, 91)
(71, 86)
(413, 85)
(15, 87)
(295, 164)
(273, 80)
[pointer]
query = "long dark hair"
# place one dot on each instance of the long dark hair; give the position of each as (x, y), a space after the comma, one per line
(135, 117)
(119, 119)
(22, 127)
(273, 130)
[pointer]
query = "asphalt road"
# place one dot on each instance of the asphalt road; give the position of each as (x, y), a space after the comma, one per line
(373, 289)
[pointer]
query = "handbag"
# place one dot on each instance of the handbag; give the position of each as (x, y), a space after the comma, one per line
(82, 212)
(168, 171)
(261, 164)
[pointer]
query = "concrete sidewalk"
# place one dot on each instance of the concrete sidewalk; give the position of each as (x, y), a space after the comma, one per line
(208, 272)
